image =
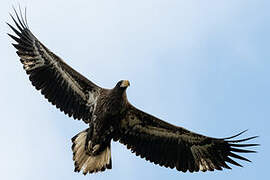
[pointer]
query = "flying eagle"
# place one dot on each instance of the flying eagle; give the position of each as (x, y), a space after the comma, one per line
(110, 116)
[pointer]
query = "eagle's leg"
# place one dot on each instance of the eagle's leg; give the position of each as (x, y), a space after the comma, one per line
(96, 141)
(88, 143)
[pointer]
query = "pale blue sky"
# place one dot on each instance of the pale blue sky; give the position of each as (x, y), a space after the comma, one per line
(203, 65)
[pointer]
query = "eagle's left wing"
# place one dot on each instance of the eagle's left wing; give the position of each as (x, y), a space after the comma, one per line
(175, 147)
(64, 87)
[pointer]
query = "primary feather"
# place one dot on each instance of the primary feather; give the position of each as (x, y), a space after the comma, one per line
(58, 82)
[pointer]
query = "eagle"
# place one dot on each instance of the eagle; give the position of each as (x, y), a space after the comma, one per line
(110, 116)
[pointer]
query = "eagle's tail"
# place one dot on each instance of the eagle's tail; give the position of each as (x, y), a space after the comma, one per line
(84, 160)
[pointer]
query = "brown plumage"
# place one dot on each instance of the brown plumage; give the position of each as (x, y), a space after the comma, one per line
(110, 116)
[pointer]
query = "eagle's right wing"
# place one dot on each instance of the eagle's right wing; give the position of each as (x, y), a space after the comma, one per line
(59, 83)
(171, 146)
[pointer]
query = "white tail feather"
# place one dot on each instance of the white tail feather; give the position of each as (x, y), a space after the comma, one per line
(85, 162)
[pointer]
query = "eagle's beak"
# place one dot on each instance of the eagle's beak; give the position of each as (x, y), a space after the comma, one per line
(125, 83)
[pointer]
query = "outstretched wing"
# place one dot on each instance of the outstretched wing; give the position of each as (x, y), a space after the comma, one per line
(59, 83)
(175, 147)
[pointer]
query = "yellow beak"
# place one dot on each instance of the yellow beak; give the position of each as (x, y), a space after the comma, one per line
(125, 83)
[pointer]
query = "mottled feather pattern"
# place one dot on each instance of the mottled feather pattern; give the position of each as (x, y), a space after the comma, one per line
(175, 147)
(58, 82)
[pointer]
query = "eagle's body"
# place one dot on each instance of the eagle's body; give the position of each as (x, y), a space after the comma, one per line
(109, 115)
(105, 117)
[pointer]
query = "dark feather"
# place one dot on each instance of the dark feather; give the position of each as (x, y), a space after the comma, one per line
(175, 147)
(58, 82)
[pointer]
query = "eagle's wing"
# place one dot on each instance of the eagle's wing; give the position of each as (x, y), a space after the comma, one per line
(172, 146)
(59, 83)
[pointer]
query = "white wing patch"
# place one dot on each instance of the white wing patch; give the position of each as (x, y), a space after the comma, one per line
(92, 100)
(30, 63)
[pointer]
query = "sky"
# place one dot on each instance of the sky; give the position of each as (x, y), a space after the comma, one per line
(202, 65)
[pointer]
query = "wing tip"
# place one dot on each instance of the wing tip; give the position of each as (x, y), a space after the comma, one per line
(237, 146)
(19, 19)
(236, 135)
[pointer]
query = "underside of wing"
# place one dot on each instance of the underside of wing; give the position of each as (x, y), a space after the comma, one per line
(59, 83)
(175, 147)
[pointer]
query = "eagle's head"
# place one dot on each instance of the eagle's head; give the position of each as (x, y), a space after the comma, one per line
(121, 86)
